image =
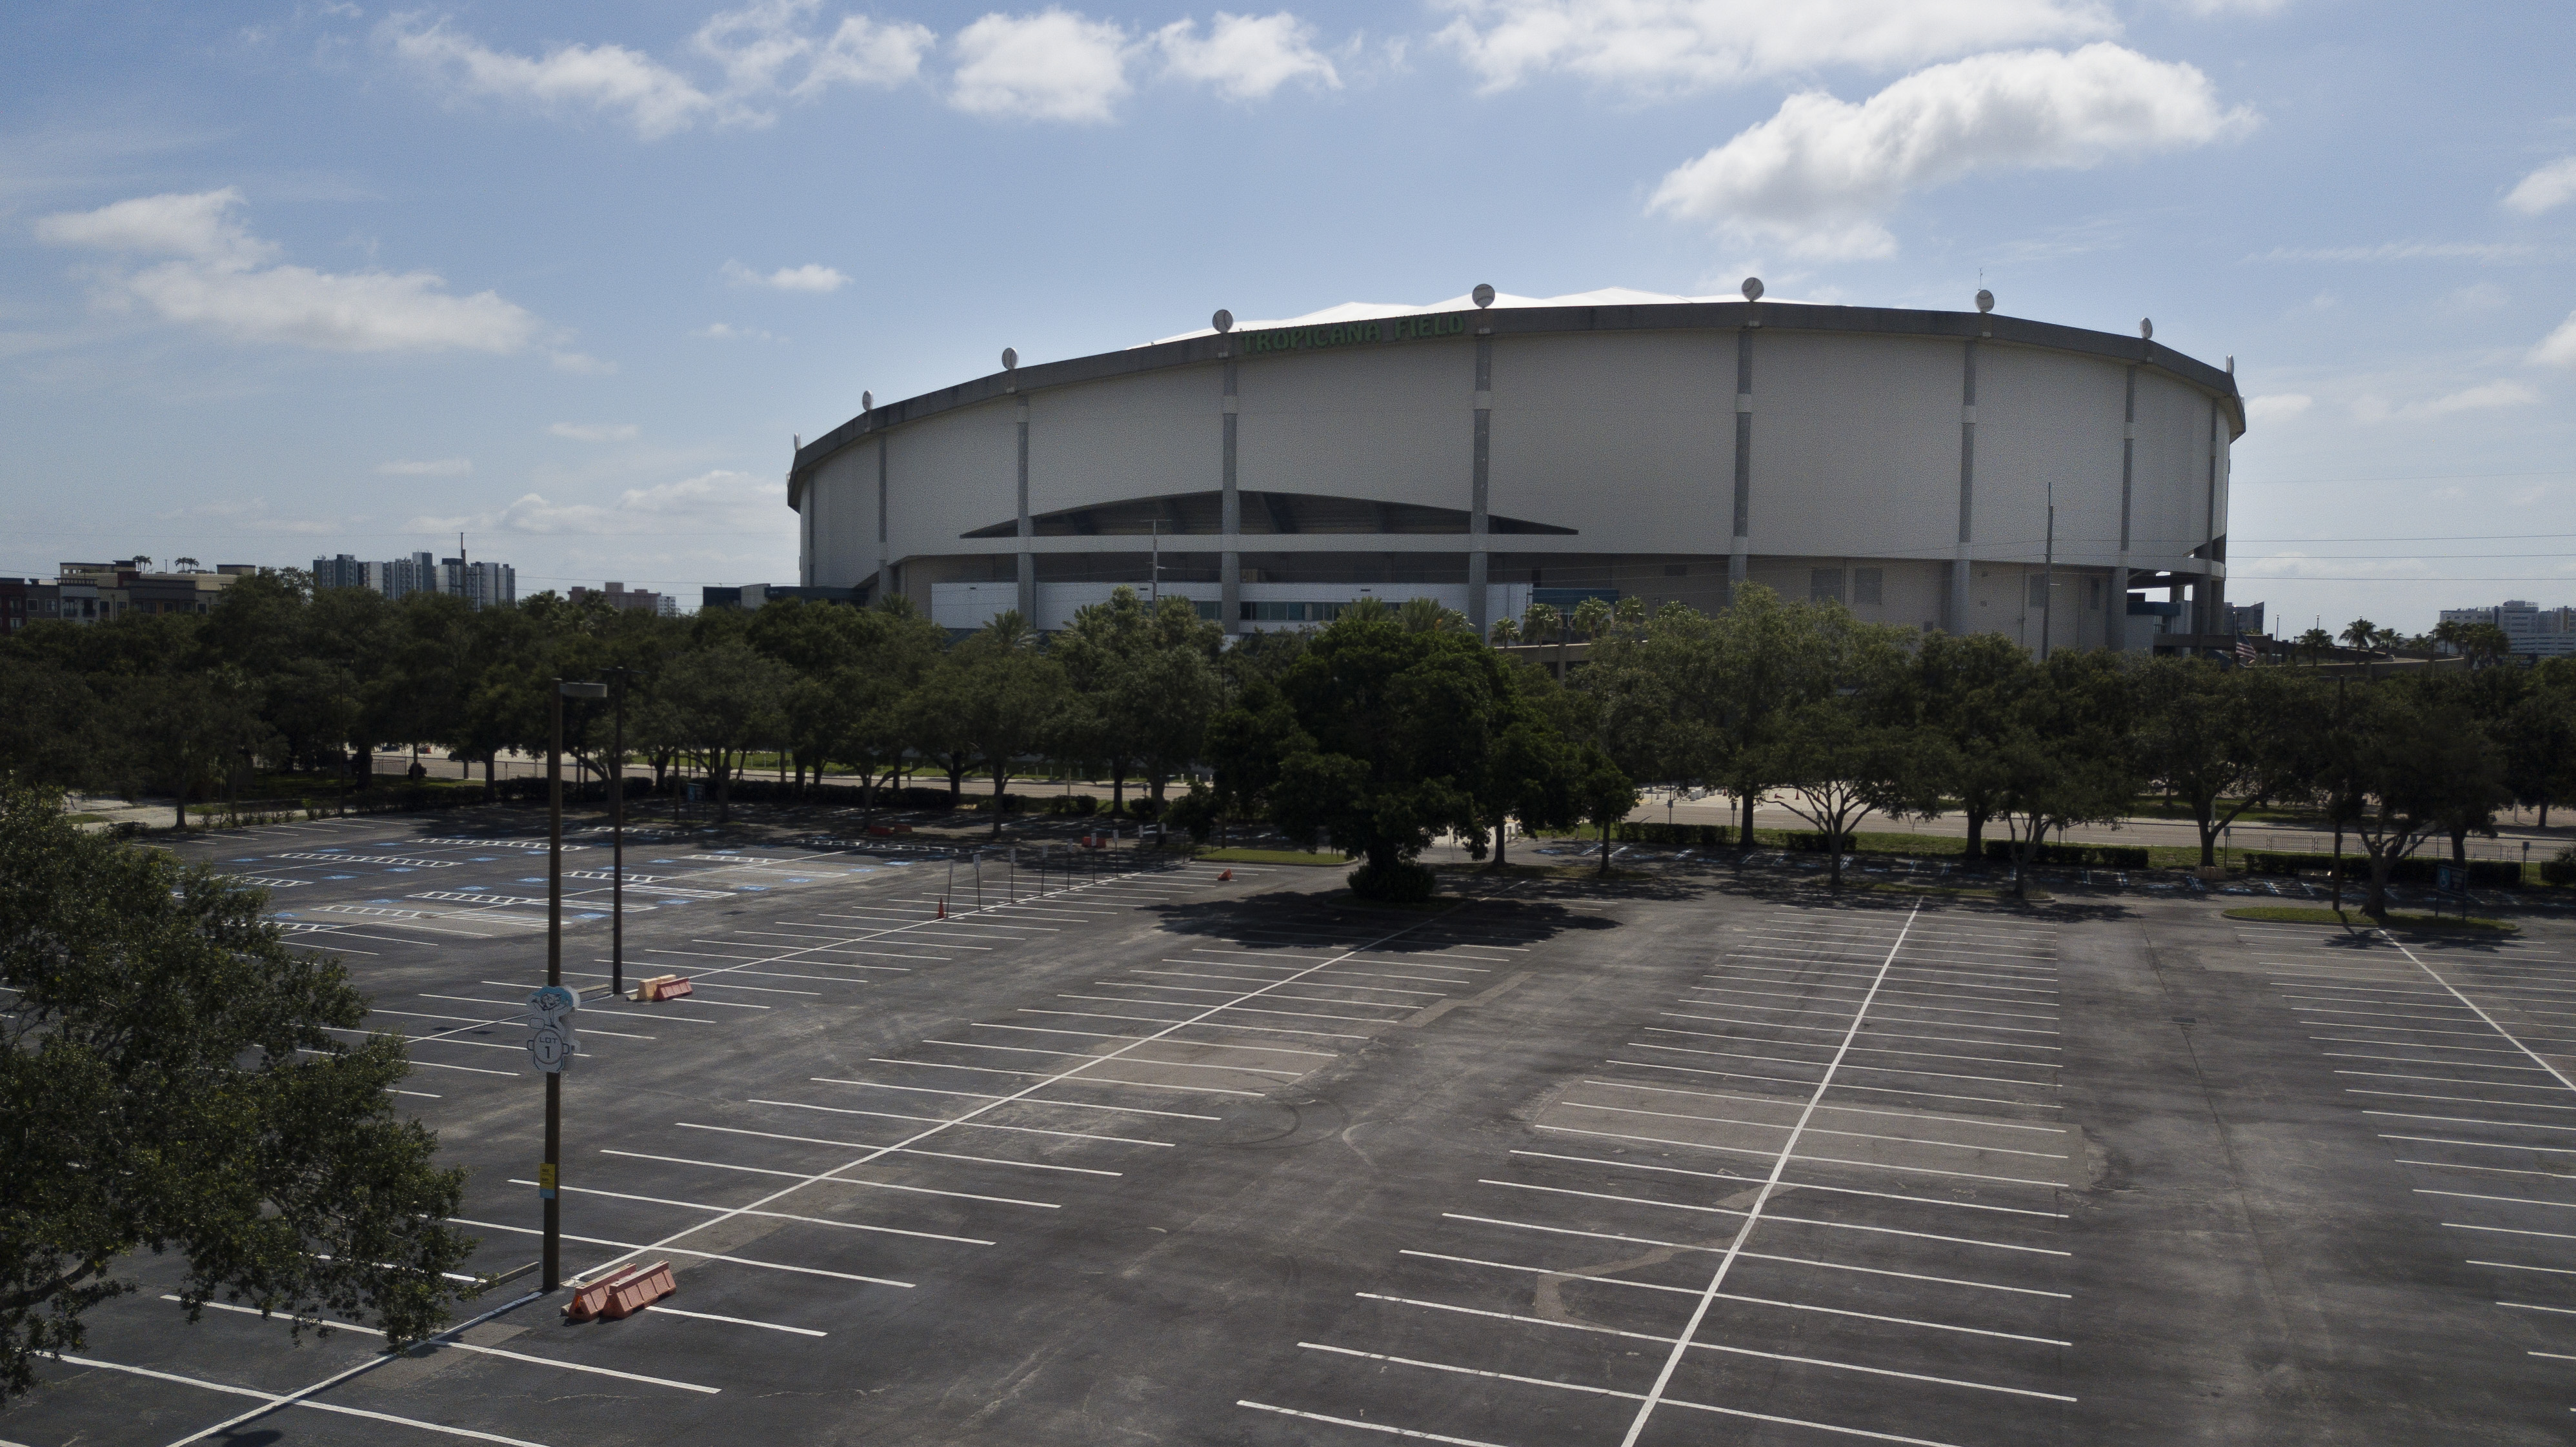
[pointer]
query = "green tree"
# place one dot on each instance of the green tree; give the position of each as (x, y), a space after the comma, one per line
(1249, 742)
(1841, 760)
(715, 704)
(184, 734)
(1004, 695)
(1601, 794)
(1400, 722)
(2064, 754)
(2361, 634)
(2407, 764)
(2216, 737)
(2315, 642)
(174, 1080)
(1962, 691)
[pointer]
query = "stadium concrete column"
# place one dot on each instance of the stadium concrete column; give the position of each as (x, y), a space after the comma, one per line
(885, 564)
(2115, 624)
(1739, 557)
(1476, 554)
(1230, 522)
(2209, 599)
(1957, 621)
(1028, 592)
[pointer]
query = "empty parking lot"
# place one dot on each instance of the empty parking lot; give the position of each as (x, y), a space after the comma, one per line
(1132, 1152)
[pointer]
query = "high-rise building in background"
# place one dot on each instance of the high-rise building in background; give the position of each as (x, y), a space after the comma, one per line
(2245, 618)
(2533, 630)
(484, 585)
(639, 600)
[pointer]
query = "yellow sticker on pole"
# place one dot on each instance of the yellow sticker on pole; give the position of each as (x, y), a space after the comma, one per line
(546, 1176)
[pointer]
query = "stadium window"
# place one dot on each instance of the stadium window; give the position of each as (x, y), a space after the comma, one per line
(1866, 585)
(1212, 612)
(1824, 583)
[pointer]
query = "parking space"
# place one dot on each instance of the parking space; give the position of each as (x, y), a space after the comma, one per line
(1114, 1153)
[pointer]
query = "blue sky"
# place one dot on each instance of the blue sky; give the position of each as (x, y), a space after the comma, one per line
(286, 279)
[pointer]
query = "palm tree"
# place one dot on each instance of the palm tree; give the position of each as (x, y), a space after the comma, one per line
(1592, 615)
(2316, 641)
(2360, 633)
(1631, 615)
(1506, 632)
(2447, 634)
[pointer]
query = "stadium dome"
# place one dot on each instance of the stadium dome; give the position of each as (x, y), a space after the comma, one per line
(1614, 444)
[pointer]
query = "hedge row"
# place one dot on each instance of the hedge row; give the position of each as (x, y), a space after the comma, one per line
(2490, 873)
(2086, 856)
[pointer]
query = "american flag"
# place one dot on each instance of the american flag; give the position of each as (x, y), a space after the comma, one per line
(2245, 650)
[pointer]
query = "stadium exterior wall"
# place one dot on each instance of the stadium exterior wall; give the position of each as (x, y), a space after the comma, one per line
(1901, 460)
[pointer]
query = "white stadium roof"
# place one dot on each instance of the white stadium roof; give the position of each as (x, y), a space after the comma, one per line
(1367, 310)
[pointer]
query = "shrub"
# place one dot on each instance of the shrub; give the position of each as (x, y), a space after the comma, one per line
(2561, 870)
(1685, 836)
(2081, 856)
(1813, 842)
(2416, 869)
(1403, 883)
(1079, 805)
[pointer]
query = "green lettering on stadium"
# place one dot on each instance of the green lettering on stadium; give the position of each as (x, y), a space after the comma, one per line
(1352, 334)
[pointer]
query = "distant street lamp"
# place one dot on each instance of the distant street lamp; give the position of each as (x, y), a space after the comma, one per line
(617, 841)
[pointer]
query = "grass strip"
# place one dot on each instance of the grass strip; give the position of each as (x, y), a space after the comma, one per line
(2354, 919)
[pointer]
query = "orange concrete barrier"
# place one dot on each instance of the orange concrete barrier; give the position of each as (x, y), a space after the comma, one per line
(1224, 875)
(663, 987)
(638, 1291)
(621, 1293)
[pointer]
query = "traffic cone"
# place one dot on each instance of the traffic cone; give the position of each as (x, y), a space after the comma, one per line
(1224, 875)
(943, 907)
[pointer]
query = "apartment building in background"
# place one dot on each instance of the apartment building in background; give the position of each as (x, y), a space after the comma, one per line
(639, 600)
(96, 592)
(484, 585)
(2534, 631)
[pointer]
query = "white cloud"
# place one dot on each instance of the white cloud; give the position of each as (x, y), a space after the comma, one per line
(712, 502)
(594, 431)
(1678, 45)
(2235, 7)
(1245, 57)
(2558, 349)
(651, 97)
(2278, 407)
(1821, 174)
(2546, 189)
(763, 51)
(867, 52)
(217, 282)
(582, 364)
(2401, 251)
(2486, 396)
(809, 277)
(441, 467)
(198, 226)
(760, 44)
(1052, 66)
(727, 332)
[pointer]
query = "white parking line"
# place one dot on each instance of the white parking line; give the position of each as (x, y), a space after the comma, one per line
(661, 1310)
(276, 1400)
(774, 1215)
(464, 1346)
(631, 1249)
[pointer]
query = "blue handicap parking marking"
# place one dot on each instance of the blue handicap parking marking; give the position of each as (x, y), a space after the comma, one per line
(534, 879)
(590, 916)
(753, 888)
(800, 881)
(399, 869)
(485, 858)
(339, 876)
(248, 859)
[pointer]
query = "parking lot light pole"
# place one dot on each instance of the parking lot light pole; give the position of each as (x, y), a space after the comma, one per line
(617, 843)
(549, 1175)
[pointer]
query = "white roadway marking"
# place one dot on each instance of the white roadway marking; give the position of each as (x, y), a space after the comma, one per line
(735, 1320)
(464, 1346)
(1077, 1135)
(301, 1396)
(274, 1400)
(836, 1180)
(1764, 1256)
(1682, 1342)
(685, 1251)
(1733, 1296)
(1762, 1198)
(1845, 1109)
(1034, 1100)
(1797, 1185)
(775, 1215)
(880, 1152)
(908, 1150)
(2436, 978)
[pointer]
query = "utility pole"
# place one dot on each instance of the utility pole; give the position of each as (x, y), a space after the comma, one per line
(549, 1176)
(1155, 589)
